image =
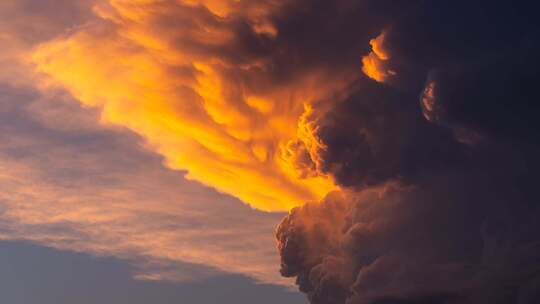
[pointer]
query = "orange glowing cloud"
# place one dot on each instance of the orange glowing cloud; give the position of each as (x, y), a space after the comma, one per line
(374, 64)
(177, 73)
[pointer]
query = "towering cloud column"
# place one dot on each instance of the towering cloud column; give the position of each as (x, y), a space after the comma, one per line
(437, 162)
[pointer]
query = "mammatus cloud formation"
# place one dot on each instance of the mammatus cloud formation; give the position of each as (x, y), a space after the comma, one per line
(438, 163)
(202, 82)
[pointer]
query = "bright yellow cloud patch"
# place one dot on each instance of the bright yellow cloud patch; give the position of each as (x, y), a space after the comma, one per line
(174, 73)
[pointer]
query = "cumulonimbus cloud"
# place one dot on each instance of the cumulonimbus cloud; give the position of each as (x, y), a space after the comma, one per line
(437, 163)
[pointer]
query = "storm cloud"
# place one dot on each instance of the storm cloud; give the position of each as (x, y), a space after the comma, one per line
(437, 161)
(415, 122)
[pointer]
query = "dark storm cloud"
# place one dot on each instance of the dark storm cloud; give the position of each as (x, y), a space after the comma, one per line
(439, 166)
(447, 240)
(378, 134)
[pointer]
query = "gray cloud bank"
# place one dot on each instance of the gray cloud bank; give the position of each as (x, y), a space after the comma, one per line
(438, 162)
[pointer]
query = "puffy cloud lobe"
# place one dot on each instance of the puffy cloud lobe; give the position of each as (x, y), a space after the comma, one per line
(438, 166)
(374, 64)
(308, 239)
(445, 244)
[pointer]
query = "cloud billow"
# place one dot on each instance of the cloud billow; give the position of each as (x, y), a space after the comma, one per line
(438, 164)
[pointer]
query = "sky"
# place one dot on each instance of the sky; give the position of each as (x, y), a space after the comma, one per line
(37, 274)
(272, 151)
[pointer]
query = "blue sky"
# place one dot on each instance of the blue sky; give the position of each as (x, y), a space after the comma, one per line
(36, 274)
